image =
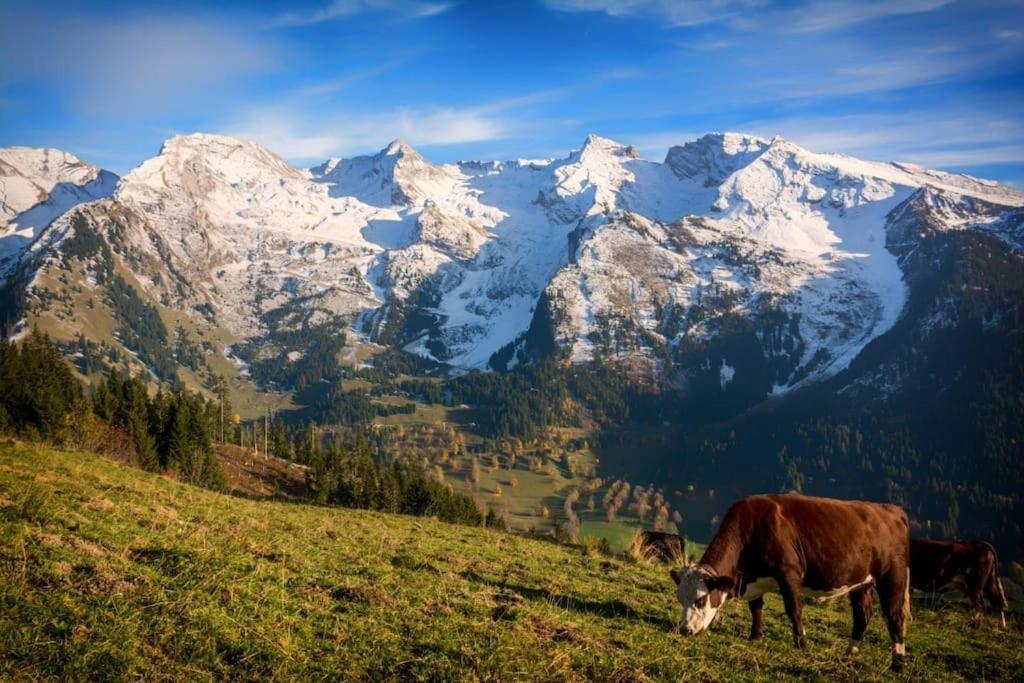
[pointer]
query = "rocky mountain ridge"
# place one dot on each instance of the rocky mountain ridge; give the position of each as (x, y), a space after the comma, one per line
(623, 258)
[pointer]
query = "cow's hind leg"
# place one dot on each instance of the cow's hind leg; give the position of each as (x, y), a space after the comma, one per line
(756, 618)
(862, 602)
(894, 595)
(973, 591)
(789, 586)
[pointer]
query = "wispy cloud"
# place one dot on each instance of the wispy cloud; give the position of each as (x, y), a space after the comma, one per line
(968, 158)
(132, 65)
(343, 9)
(343, 82)
(672, 12)
(894, 69)
(957, 140)
(703, 46)
(804, 17)
(822, 15)
(304, 138)
(960, 141)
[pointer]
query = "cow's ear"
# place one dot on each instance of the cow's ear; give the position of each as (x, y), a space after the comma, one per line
(720, 583)
(675, 576)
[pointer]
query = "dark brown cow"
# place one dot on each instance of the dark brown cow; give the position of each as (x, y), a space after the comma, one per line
(971, 566)
(661, 545)
(797, 544)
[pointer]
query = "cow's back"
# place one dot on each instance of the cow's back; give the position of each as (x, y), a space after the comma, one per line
(839, 542)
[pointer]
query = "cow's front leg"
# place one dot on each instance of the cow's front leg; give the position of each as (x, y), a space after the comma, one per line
(756, 618)
(789, 586)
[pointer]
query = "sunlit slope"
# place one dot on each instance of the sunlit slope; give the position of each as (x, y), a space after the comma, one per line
(110, 572)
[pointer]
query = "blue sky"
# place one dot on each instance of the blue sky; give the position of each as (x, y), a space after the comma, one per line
(937, 82)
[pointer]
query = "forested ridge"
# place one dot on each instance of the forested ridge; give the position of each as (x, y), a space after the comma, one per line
(175, 432)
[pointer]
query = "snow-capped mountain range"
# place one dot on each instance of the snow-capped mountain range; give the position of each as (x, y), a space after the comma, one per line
(622, 257)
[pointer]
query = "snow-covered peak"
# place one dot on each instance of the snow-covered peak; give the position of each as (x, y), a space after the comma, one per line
(714, 157)
(36, 186)
(486, 238)
(853, 179)
(601, 150)
(400, 148)
(398, 175)
(29, 174)
(196, 163)
(325, 168)
(589, 181)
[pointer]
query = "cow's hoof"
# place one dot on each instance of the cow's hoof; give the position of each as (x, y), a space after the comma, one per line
(897, 664)
(756, 635)
(853, 648)
(801, 642)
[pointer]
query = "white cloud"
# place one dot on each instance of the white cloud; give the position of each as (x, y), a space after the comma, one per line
(962, 140)
(967, 158)
(815, 72)
(130, 65)
(302, 138)
(285, 135)
(336, 85)
(828, 16)
(709, 45)
(446, 126)
(673, 12)
(806, 17)
(342, 9)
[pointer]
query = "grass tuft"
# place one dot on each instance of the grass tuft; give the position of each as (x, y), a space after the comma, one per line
(33, 502)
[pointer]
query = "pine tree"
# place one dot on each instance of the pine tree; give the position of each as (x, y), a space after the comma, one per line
(176, 446)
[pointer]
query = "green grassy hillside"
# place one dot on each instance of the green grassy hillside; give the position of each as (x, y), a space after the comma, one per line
(110, 572)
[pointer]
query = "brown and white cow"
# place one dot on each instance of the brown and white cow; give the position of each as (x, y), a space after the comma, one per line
(971, 566)
(794, 544)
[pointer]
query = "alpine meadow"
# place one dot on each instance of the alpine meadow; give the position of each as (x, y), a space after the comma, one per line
(568, 340)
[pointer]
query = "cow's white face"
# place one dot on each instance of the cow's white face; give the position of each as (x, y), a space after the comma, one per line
(701, 595)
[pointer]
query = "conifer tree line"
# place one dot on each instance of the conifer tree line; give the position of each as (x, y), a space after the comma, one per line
(348, 465)
(40, 399)
(352, 478)
(175, 431)
(170, 431)
(37, 388)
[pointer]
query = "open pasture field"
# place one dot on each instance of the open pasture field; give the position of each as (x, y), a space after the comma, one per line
(107, 572)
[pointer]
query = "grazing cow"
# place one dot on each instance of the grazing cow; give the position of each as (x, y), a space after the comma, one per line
(664, 546)
(792, 543)
(970, 566)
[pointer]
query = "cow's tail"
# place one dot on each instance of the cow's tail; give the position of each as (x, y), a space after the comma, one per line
(1003, 603)
(995, 585)
(907, 616)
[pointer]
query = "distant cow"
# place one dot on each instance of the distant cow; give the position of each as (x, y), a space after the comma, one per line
(792, 543)
(972, 567)
(661, 545)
